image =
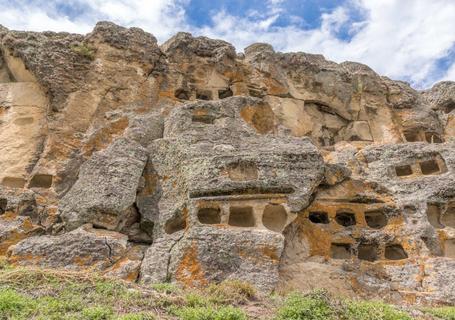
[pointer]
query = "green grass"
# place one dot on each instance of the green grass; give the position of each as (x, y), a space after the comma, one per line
(29, 293)
(319, 305)
(372, 310)
(315, 306)
(444, 313)
(210, 313)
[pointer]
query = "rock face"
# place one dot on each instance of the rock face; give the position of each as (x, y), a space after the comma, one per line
(193, 164)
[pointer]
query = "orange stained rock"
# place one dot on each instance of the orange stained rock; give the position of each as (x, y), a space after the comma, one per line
(275, 88)
(121, 264)
(189, 271)
(259, 117)
(27, 258)
(82, 261)
(270, 252)
(104, 137)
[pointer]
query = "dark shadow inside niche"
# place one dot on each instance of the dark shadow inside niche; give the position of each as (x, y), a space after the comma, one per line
(41, 181)
(175, 224)
(147, 226)
(203, 95)
(448, 218)
(202, 118)
(411, 135)
(182, 94)
(340, 251)
(209, 215)
(432, 137)
(13, 182)
(376, 219)
(274, 217)
(434, 215)
(3, 205)
(241, 217)
(395, 252)
(429, 167)
(319, 217)
(225, 93)
(345, 218)
(403, 171)
(367, 251)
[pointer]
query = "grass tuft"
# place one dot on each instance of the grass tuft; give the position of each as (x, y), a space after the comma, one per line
(231, 292)
(443, 313)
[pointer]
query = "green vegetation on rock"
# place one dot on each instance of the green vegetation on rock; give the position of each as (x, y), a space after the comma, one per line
(29, 293)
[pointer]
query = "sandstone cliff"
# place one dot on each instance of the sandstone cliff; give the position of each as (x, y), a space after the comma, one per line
(191, 163)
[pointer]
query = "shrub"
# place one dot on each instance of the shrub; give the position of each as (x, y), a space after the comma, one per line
(84, 50)
(231, 292)
(97, 313)
(208, 313)
(14, 305)
(314, 306)
(372, 311)
(195, 300)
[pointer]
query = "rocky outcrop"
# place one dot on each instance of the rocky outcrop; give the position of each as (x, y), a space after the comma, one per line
(193, 164)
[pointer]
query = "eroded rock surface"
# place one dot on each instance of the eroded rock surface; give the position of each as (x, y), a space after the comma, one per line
(191, 163)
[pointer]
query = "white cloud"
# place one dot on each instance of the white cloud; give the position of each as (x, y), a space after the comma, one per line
(399, 38)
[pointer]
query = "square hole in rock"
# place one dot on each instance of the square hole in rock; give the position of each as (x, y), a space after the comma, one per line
(204, 95)
(241, 217)
(402, 171)
(182, 94)
(367, 251)
(274, 217)
(319, 217)
(395, 252)
(345, 218)
(340, 251)
(242, 171)
(376, 219)
(209, 215)
(411, 135)
(12, 182)
(202, 118)
(41, 181)
(225, 93)
(429, 167)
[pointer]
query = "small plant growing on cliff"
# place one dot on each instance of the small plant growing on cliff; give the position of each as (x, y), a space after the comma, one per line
(444, 313)
(231, 291)
(84, 50)
(314, 306)
(372, 310)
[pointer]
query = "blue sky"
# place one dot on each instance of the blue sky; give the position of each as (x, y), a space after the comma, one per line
(410, 40)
